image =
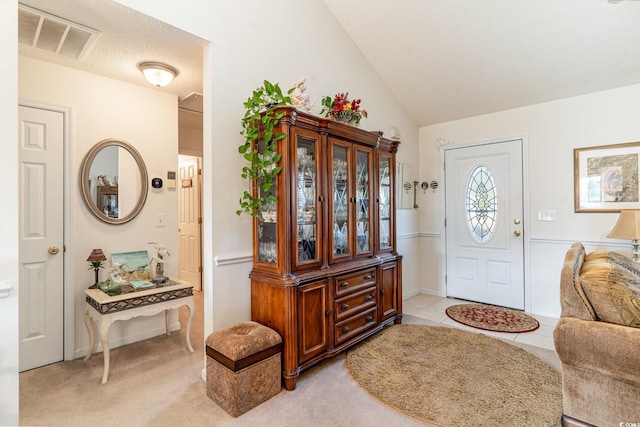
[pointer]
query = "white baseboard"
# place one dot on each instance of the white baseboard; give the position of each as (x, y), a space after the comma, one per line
(545, 312)
(411, 294)
(433, 292)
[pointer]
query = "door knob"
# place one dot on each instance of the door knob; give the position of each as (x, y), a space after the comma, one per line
(516, 221)
(53, 250)
(516, 233)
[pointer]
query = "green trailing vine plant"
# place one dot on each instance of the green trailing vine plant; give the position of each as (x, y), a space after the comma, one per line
(260, 146)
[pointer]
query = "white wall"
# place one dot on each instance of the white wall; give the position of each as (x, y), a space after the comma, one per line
(553, 130)
(239, 59)
(235, 63)
(9, 213)
(147, 119)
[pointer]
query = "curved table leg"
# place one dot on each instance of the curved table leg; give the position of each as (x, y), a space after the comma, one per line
(192, 312)
(89, 324)
(105, 324)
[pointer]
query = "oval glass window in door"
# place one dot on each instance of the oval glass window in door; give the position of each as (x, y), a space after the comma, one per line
(481, 204)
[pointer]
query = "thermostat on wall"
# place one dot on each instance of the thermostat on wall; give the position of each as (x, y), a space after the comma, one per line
(156, 183)
(171, 180)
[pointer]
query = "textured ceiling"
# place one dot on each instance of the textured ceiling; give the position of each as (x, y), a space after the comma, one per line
(126, 38)
(442, 60)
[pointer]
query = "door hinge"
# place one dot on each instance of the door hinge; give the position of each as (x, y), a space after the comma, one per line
(199, 171)
(199, 220)
(200, 269)
(445, 222)
(445, 279)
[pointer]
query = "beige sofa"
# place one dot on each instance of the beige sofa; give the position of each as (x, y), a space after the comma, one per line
(598, 339)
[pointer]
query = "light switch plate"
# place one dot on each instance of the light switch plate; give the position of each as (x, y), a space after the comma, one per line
(546, 215)
(159, 220)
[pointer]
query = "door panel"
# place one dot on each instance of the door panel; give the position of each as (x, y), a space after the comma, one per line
(313, 329)
(484, 207)
(190, 259)
(41, 140)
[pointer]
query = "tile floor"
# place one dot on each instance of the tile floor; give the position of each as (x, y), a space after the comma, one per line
(433, 308)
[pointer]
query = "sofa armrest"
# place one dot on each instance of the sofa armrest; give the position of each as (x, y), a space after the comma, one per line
(573, 301)
(599, 346)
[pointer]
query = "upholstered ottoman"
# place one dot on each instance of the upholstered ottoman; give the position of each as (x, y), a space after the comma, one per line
(243, 366)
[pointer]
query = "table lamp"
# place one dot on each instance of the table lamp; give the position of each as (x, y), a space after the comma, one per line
(628, 227)
(95, 259)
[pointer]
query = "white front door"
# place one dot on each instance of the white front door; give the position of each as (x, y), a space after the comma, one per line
(484, 223)
(189, 259)
(41, 147)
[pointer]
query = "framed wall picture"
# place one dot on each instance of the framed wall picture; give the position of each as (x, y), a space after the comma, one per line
(605, 178)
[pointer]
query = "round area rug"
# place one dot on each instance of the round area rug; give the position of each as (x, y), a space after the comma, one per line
(492, 318)
(456, 378)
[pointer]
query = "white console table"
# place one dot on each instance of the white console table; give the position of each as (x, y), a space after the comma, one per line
(105, 309)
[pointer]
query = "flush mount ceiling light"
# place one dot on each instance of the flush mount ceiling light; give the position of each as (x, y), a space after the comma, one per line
(157, 73)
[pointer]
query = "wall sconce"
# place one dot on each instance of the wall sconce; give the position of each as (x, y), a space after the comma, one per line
(157, 73)
(425, 185)
(628, 227)
(96, 258)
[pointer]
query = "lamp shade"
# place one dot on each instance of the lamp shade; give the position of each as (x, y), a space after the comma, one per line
(157, 73)
(96, 256)
(628, 225)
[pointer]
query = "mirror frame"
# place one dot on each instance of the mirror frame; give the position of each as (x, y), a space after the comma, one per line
(85, 168)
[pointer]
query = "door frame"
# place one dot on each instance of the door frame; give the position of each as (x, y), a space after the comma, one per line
(67, 221)
(443, 147)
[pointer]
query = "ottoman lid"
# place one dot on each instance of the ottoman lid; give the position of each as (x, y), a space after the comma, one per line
(243, 340)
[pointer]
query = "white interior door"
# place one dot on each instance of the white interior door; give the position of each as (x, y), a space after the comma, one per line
(190, 259)
(484, 207)
(41, 140)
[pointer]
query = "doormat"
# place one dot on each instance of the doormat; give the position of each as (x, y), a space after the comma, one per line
(492, 318)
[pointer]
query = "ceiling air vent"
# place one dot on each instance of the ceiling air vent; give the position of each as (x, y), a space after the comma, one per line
(54, 34)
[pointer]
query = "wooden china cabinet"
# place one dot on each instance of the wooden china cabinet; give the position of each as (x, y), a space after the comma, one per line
(326, 273)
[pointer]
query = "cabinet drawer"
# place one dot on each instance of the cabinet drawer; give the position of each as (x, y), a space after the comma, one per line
(353, 282)
(353, 304)
(355, 325)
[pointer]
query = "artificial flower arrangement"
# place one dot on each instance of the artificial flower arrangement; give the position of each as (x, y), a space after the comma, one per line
(341, 109)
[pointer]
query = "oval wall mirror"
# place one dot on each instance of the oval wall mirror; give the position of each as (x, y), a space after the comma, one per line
(113, 181)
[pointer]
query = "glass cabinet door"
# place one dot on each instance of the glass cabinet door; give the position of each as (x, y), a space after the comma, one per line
(306, 249)
(363, 203)
(267, 249)
(339, 187)
(384, 203)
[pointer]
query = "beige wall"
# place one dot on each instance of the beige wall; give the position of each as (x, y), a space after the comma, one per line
(553, 130)
(102, 108)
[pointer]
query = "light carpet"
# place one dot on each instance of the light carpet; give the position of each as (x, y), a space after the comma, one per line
(156, 382)
(453, 378)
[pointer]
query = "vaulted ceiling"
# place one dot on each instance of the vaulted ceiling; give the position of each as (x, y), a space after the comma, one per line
(442, 60)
